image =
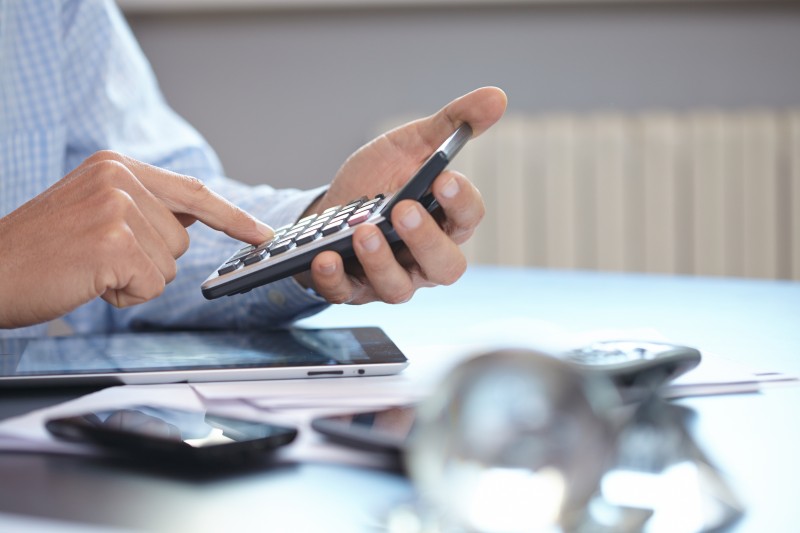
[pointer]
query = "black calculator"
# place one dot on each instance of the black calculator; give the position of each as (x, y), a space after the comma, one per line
(294, 246)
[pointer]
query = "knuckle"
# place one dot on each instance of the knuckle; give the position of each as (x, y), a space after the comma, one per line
(333, 293)
(170, 273)
(196, 185)
(115, 202)
(104, 155)
(338, 298)
(115, 239)
(198, 195)
(182, 244)
(448, 273)
(149, 291)
(428, 246)
(198, 191)
(155, 289)
(454, 271)
(402, 295)
(111, 207)
(111, 172)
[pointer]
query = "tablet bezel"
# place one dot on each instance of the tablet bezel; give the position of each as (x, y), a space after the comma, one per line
(384, 358)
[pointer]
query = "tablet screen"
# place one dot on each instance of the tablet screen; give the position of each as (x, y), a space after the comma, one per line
(195, 351)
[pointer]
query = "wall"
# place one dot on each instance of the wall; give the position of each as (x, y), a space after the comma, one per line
(286, 94)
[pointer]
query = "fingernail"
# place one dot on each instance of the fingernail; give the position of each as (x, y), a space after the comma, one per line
(371, 242)
(327, 268)
(450, 189)
(266, 231)
(411, 218)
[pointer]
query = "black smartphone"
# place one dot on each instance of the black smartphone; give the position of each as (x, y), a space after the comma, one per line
(631, 363)
(294, 246)
(386, 430)
(162, 433)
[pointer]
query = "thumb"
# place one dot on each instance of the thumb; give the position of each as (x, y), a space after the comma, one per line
(480, 109)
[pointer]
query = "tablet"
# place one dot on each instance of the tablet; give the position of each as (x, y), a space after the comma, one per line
(173, 357)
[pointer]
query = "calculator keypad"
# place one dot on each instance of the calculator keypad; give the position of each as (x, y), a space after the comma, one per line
(304, 231)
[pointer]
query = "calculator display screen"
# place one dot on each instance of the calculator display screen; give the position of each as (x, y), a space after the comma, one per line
(182, 351)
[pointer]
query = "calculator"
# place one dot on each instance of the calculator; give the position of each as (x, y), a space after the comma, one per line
(294, 246)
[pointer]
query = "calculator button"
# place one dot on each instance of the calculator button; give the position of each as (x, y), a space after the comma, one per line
(369, 207)
(281, 247)
(230, 266)
(264, 246)
(290, 236)
(346, 211)
(314, 227)
(323, 219)
(305, 220)
(358, 202)
(255, 257)
(307, 237)
(241, 253)
(359, 217)
(334, 226)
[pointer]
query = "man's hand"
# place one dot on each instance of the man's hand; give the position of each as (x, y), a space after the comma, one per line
(111, 228)
(432, 255)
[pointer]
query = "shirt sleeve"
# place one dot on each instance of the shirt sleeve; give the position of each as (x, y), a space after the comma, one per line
(112, 101)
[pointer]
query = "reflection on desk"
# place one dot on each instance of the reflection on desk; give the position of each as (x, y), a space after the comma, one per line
(751, 437)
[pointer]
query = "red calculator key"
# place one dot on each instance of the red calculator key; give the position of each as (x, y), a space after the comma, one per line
(359, 217)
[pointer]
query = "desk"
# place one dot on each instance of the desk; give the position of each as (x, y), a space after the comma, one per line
(753, 438)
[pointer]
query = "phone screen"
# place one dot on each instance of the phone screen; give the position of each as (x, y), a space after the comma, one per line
(181, 434)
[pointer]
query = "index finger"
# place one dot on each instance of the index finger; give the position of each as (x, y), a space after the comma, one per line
(185, 195)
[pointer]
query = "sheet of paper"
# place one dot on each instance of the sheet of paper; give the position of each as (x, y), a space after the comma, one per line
(717, 375)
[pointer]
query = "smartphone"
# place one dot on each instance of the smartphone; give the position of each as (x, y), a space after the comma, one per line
(293, 247)
(628, 363)
(167, 434)
(631, 363)
(386, 430)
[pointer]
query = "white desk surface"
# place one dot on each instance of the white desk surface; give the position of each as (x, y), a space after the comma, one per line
(753, 438)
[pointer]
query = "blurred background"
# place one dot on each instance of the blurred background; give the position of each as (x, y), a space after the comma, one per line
(640, 136)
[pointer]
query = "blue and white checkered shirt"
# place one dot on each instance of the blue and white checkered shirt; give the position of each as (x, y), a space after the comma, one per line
(73, 81)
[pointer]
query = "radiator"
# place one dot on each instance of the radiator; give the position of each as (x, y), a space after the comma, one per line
(706, 193)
